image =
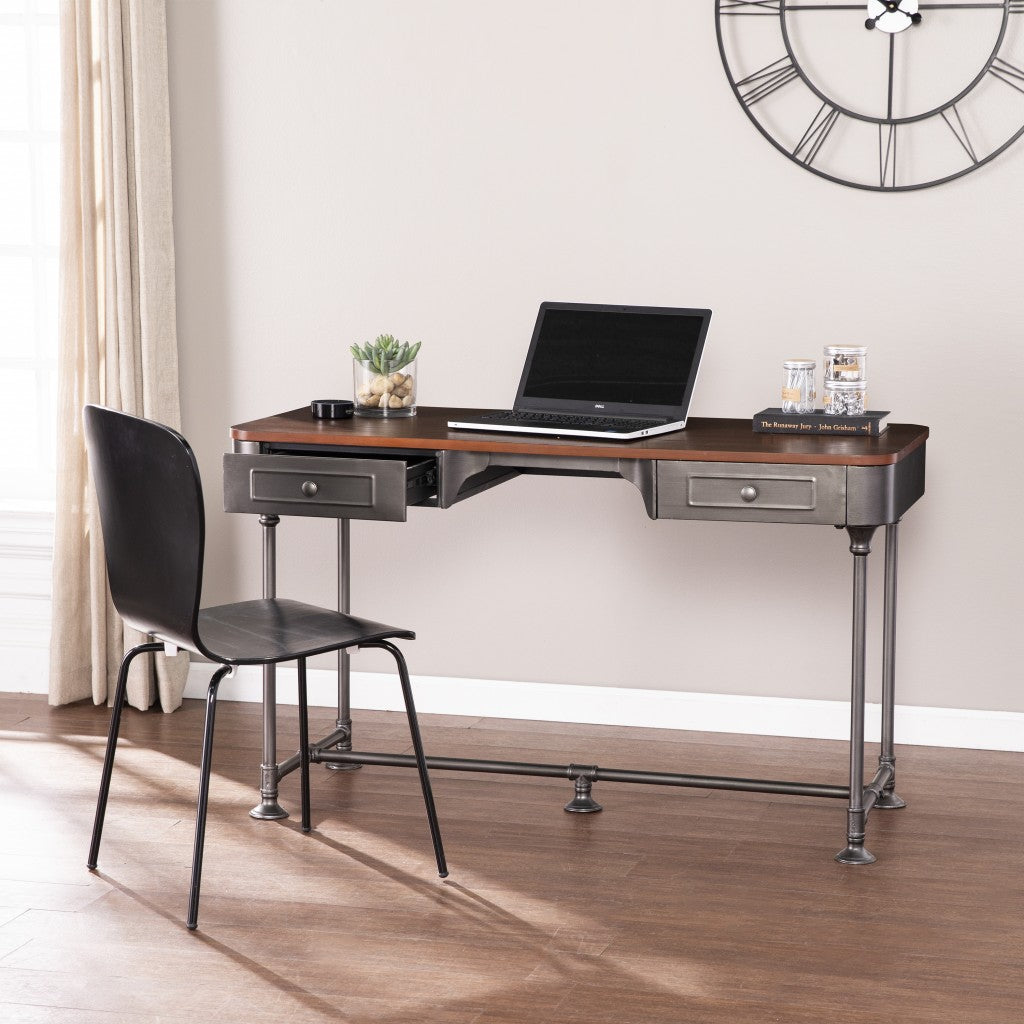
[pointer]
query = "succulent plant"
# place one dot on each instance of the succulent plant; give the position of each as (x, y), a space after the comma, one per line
(386, 353)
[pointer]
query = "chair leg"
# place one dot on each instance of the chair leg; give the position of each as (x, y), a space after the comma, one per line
(204, 792)
(108, 760)
(417, 745)
(304, 746)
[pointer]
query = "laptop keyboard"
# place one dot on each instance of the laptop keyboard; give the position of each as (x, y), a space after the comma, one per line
(572, 422)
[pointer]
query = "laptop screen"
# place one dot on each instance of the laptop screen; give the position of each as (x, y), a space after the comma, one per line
(611, 357)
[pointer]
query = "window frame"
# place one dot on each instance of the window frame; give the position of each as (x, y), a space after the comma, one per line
(28, 479)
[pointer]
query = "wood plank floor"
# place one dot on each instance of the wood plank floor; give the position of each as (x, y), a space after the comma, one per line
(672, 905)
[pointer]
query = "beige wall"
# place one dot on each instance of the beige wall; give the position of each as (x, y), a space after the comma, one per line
(435, 170)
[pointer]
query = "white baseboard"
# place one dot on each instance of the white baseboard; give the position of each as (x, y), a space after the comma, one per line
(652, 709)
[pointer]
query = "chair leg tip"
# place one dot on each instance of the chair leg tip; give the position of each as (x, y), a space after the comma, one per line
(307, 829)
(91, 867)
(442, 874)
(191, 925)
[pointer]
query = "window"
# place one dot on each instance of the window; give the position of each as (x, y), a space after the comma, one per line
(29, 212)
(29, 228)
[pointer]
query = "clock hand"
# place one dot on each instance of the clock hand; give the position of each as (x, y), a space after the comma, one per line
(915, 18)
(892, 60)
(892, 7)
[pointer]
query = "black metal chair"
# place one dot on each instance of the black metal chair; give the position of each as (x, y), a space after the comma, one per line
(151, 510)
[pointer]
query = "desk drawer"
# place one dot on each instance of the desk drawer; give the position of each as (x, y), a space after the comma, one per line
(751, 492)
(340, 488)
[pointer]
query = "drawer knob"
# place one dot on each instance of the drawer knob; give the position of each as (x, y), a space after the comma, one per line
(748, 493)
(309, 488)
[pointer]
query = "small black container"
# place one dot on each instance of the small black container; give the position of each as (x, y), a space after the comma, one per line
(331, 408)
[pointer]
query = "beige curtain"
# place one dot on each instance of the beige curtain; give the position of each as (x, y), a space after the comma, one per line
(118, 338)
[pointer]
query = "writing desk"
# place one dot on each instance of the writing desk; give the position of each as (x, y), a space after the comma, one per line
(715, 469)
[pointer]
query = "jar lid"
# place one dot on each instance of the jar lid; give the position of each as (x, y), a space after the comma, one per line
(846, 350)
(798, 364)
(846, 385)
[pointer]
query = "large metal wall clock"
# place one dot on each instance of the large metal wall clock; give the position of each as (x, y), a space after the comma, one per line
(888, 95)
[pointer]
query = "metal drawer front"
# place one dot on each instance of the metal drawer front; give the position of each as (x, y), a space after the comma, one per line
(752, 492)
(349, 488)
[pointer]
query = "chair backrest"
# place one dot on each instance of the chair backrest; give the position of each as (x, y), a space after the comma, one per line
(151, 510)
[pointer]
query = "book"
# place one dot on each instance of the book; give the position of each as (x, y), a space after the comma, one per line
(775, 421)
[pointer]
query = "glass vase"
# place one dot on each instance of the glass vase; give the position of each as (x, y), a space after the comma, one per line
(384, 394)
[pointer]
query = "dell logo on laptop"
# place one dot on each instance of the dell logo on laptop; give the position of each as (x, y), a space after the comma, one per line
(598, 405)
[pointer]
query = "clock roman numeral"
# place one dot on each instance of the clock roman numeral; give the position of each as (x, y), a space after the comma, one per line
(887, 156)
(754, 7)
(817, 132)
(766, 80)
(960, 132)
(1008, 73)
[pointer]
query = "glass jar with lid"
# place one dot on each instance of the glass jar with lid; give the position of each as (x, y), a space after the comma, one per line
(846, 362)
(798, 393)
(846, 397)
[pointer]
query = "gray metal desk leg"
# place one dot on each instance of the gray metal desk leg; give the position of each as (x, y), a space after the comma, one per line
(888, 800)
(344, 722)
(269, 807)
(854, 852)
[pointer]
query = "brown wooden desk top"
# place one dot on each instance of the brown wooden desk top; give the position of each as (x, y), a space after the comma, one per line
(703, 440)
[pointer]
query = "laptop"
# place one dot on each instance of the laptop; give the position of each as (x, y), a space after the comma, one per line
(613, 372)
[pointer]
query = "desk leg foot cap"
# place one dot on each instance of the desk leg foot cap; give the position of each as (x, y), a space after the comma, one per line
(269, 810)
(583, 805)
(889, 801)
(855, 854)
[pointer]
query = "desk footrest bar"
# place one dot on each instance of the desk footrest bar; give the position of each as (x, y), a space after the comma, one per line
(289, 764)
(553, 771)
(454, 764)
(874, 789)
(723, 782)
(339, 734)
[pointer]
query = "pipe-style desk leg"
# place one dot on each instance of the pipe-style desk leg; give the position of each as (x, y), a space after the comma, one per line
(888, 800)
(854, 852)
(268, 806)
(343, 725)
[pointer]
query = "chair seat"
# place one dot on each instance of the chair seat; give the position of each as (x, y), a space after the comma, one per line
(269, 630)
